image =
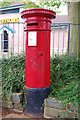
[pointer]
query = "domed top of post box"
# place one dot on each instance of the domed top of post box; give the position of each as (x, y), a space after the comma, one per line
(38, 12)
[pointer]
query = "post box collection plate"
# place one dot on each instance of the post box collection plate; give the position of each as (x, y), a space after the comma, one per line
(32, 38)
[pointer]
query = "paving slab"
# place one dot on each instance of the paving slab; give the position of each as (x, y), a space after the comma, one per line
(14, 115)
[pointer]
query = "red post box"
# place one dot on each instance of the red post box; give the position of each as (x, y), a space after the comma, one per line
(37, 73)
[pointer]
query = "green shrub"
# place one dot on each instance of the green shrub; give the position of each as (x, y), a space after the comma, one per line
(65, 78)
(13, 74)
(64, 73)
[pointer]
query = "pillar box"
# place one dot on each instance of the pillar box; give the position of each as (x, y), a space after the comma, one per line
(37, 62)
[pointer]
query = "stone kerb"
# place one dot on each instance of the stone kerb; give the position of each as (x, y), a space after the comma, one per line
(54, 108)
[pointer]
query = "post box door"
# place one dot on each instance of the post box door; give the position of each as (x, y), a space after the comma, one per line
(38, 59)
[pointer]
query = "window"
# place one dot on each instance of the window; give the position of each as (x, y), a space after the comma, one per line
(4, 41)
(10, 11)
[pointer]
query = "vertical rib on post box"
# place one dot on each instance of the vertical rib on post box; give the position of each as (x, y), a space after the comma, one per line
(37, 73)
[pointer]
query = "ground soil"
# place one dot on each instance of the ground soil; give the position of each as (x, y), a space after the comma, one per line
(9, 113)
(6, 111)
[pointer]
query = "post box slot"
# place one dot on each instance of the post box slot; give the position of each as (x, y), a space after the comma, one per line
(32, 24)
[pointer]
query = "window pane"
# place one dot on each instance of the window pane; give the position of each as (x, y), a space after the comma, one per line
(5, 46)
(5, 35)
(10, 11)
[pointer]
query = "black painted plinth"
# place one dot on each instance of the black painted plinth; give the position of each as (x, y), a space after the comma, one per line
(34, 103)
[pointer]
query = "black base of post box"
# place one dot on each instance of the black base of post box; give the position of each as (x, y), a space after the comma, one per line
(34, 101)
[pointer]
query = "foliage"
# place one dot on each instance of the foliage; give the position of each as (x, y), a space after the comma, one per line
(49, 4)
(13, 74)
(65, 78)
(30, 4)
(64, 75)
(5, 3)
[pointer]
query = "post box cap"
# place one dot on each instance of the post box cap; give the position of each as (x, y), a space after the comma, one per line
(38, 12)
